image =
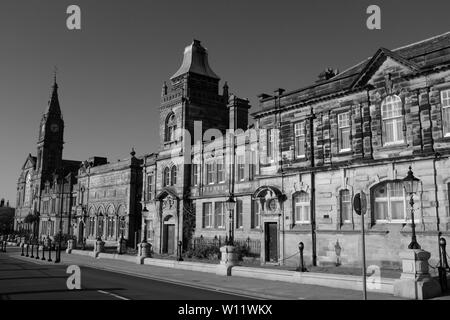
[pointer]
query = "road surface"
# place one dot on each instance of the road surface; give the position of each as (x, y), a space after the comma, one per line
(22, 279)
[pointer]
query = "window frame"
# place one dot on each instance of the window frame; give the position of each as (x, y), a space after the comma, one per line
(240, 168)
(270, 144)
(302, 205)
(173, 175)
(350, 206)
(150, 182)
(344, 125)
(299, 135)
(166, 177)
(195, 171)
(445, 109)
(208, 215)
(257, 209)
(219, 211)
(210, 173)
(170, 127)
(239, 213)
(221, 172)
(389, 200)
(394, 119)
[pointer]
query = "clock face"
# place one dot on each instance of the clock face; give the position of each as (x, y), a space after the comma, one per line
(54, 127)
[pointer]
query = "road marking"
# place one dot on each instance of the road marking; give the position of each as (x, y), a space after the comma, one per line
(112, 294)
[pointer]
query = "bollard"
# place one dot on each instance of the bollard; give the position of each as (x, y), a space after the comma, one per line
(180, 248)
(57, 253)
(49, 251)
(27, 255)
(32, 249)
(443, 265)
(301, 266)
(37, 250)
(23, 245)
(43, 250)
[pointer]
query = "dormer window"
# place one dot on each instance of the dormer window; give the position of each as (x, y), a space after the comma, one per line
(392, 116)
(170, 128)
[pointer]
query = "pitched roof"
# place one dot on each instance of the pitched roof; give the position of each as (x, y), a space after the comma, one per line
(422, 55)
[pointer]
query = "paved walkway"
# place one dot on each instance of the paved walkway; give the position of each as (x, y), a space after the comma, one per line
(238, 285)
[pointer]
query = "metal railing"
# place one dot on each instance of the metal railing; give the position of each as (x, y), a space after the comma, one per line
(253, 247)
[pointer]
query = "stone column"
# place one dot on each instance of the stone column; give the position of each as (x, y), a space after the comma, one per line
(415, 281)
(228, 260)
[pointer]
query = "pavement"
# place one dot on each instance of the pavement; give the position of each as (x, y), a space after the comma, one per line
(132, 281)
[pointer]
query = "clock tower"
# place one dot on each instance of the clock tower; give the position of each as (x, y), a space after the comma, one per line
(50, 141)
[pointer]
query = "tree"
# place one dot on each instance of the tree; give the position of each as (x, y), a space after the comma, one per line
(188, 223)
(6, 221)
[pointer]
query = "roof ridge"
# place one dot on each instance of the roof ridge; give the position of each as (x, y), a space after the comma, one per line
(421, 41)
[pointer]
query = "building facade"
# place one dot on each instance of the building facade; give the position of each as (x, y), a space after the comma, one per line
(45, 184)
(294, 173)
(107, 201)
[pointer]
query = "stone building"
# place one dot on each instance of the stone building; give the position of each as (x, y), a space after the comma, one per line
(44, 188)
(295, 172)
(107, 200)
(87, 199)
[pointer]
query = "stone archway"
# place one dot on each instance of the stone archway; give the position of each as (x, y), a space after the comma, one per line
(169, 221)
(270, 203)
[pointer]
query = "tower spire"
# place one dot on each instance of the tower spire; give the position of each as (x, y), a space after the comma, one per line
(53, 104)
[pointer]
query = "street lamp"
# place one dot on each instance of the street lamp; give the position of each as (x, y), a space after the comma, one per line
(61, 200)
(411, 184)
(230, 206)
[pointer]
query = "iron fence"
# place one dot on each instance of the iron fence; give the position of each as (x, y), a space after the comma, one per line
(253, 247)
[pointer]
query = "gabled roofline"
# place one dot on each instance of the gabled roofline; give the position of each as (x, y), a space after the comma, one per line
(382, 54)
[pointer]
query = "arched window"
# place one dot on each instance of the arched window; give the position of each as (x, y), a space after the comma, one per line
(170, 127)
(91, 223)
(100, 224)
(301, 207)
(110, 222)
(173, 176)
(345, 206)
(390, 202)
(166, 177)
(27, 196)
(392, 116)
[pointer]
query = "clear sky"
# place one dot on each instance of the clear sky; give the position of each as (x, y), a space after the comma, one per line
(111, 72)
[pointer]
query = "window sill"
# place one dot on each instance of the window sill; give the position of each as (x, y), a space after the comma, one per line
(390, 146)
(303, 226)
(345, 153)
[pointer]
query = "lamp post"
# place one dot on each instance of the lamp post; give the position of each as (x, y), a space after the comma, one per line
(230, 206)
(58, 252)
(411, 184)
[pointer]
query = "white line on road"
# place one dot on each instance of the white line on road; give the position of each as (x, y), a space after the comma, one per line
(112, 294)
